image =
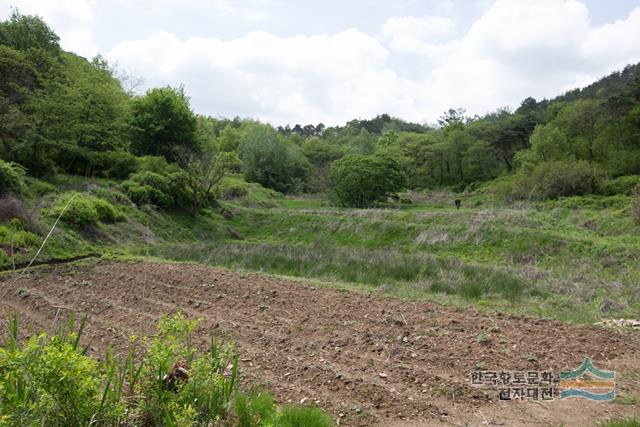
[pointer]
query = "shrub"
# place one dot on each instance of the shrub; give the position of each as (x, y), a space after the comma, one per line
(115, 164)
(560, 179)
(38, 187)
(635, 205)
(550, 180)
(80, 211)
(73, 159)
(11, 178)
(157, 164)
(228, 189)
(48, 381)
(622, 185)
(12, 208)
(362, 181)
(106, 211)
(15, 235)
(162, 190)
(84, 209)
(51, 380)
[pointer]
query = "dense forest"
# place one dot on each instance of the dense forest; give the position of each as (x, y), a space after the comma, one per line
(63, 114)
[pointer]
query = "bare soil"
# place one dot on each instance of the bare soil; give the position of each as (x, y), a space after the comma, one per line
(366, 359)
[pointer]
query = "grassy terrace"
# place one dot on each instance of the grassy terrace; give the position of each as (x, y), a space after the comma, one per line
(576, 259)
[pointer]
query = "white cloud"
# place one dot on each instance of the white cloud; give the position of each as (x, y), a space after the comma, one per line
(415, 67)
(301, 78)
(228, 8)
(519, 48)
(416, 35)
(616, 44)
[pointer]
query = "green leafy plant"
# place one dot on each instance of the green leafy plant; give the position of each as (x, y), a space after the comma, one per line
(83, 209)
(635, 205)
(51, 380)
(165, 191)
(11, 179)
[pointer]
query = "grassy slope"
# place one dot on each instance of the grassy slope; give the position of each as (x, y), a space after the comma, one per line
(575, 259)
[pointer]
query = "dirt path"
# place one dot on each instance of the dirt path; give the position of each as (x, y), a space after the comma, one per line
(375, 360)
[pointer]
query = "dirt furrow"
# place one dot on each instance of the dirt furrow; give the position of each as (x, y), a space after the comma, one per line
(373, 359)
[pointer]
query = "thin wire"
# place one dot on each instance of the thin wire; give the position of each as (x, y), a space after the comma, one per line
(43, 242)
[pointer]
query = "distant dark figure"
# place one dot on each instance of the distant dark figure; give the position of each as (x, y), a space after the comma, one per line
(458, 202)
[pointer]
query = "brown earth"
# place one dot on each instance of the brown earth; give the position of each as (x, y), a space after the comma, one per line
(366, 359)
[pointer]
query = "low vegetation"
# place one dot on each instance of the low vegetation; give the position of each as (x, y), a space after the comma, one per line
(163, 380)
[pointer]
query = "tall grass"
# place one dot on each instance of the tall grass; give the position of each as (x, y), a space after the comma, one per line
(426, 273)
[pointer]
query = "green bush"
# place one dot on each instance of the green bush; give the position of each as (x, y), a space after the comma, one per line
(84, 209)
(11, 178)
(38, 187)
(550, 180)
(621, 185)
(231, 189)
(106, 211)
(74, 160)
(561, 179)
(51, 381)
(115, 164)
(635, 205)
(165, 191)
(363, 181)
(48, 381)
(157, 164)
(15, 235)
(80, 211)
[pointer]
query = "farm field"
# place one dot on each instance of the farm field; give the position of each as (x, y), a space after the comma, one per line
(366, 359)
(269, 214)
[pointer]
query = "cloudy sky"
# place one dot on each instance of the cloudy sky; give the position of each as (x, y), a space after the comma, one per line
(286, 61)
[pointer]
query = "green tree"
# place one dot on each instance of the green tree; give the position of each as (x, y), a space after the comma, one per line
(203, 171)
(269, 160)
(549, 143)
(82, 106)
(363, 181)
(23, 32)
(162, 123)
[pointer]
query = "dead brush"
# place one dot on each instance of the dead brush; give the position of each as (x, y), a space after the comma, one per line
(13, 208)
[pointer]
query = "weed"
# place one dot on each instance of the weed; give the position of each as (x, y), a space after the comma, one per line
(483, 339)
(301, 416)
(621, 423)
(50, 380)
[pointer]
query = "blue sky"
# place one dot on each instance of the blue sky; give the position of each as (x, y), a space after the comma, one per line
(331, 61)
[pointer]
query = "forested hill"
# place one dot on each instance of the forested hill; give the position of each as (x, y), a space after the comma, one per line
(61, 114)
(617, 83)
